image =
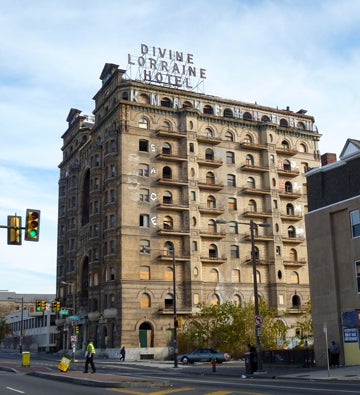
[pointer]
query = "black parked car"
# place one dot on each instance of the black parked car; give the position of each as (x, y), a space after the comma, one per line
(204, 355)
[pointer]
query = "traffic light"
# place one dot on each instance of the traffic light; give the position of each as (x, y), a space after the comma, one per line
(14, 230)
(32, 225)
(77, 330)
(38, 305)
(58, 306)
(54, 307)
(43, 305)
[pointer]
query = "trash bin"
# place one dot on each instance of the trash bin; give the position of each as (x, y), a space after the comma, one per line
(249, 363)
(25, 360)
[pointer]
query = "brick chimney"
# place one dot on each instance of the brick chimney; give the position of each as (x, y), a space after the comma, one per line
(327, 158)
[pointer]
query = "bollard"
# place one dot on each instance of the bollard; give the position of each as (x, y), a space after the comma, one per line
(213, 364)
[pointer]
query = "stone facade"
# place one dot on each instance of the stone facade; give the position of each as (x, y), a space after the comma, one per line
(152, 173)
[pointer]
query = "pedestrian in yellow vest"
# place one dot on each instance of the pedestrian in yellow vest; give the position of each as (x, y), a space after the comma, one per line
(90, 352)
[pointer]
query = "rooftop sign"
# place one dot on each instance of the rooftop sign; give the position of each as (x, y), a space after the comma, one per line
(167, 67)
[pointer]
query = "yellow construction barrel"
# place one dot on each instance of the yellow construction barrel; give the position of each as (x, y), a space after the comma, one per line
(25, 361)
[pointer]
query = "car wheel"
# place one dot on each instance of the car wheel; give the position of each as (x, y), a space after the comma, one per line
(185, 360)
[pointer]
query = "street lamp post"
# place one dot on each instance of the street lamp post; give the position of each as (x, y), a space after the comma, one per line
(174, 306)
(252, 226)
(21, 322)
(72, 322)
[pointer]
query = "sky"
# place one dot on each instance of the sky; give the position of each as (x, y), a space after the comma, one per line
(304, 54)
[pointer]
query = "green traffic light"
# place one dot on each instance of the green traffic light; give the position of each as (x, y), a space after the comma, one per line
(33, 233)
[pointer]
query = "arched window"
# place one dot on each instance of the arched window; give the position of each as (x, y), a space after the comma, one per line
(209, 154)
(291, 232)
(229, 136)
(169, 274)
(143, 123)
(252, 206)
(250, 182)
(293, 255)
(166, 173)
(209, 133)
(145, 301)
(212, 226)
(285, 144)
(289, 209)
(232, 204)
(214, 275)
(296, 303)
(248, 139)
(210, 178)
(211, 202)
(303, 147)
(167, 125)
(167, 197)
(228, 113)
(166, 149)
(284, 122)
(250, 160)
(168, 247)
(265, 118)
(301, 125)
(247, 116)
(294, 278)
(233, 227)
(208, 109)
(168, 222)
(168, 301)
(288, 187)
(187, 104)
(165, 102)
(213, 251)
(235, 276)
(287, 165)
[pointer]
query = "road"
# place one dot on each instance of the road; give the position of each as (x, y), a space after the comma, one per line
(190, 380)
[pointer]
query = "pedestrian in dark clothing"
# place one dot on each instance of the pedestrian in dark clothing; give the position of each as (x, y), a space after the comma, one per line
(90, 352)
(334, 354)
(122, 354)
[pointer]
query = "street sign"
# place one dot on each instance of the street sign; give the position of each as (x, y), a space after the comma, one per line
(64, 312)
(259, 320)
(74, 318)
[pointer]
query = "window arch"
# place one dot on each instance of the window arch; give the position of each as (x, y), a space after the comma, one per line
(213, 251)
(166, 148)
(212, 226)
(232, 203)
(250, 182)
(166, 102)
(209, 154)
(248, 139)
(167, 173)
(296, 302)
(143, 123)
(228, 113)
(167, 125)
(301, 125)
(211, 202)
(210, 178)
(303, 147)
(214, 275)
(208, 109)
(285, 144)
(167, 197)
(291, 232)
(288, 187)
(287, 165)
(284, 122)
(209, 133)
(145, 301)
(293, 255)
(229, 136)
(289, 209)
(233, 227)
(249, 160)
(294, 278)
(247, 116)
(265, 118)
(168, 247)
(252, 206)
(187, 104)
(169, 299)
(168, 223)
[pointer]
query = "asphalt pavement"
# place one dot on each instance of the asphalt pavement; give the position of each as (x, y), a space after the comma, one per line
(231, 369)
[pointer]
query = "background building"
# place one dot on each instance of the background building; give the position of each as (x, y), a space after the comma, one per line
(333, 230)
(149, 176)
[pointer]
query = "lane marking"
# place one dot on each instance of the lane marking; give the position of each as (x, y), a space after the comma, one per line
(15, 390)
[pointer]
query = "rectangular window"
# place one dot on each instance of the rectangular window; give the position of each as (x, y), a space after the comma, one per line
(144, 220)
(230, 157)
(355, 223)
(357, 268)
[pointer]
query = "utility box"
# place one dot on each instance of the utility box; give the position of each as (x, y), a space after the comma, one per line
(25, 360)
